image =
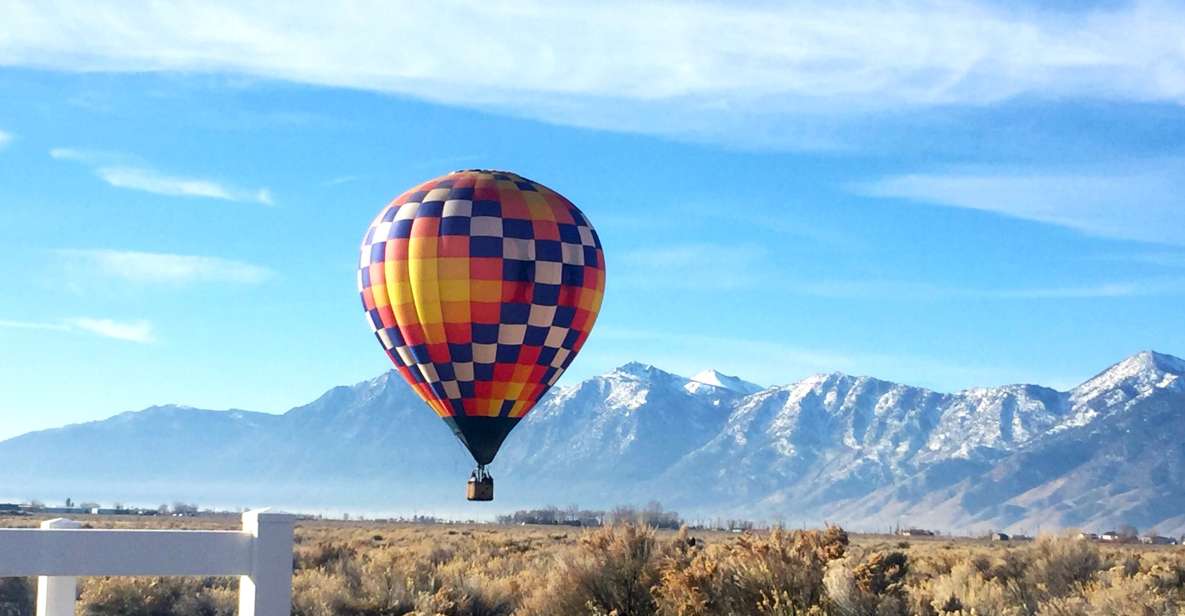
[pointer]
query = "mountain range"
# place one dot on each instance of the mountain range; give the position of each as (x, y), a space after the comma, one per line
(856, 450)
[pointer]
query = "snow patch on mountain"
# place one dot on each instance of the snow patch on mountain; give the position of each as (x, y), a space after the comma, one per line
(715, 378)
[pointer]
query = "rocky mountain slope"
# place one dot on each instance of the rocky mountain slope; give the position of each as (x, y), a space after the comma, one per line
(857, 450)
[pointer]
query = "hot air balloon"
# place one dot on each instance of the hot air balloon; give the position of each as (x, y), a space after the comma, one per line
(482, 287)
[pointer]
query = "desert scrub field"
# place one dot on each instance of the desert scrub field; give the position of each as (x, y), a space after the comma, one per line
(365, 569)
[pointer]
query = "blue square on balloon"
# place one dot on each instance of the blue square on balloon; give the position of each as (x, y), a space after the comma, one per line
(419, 353)
(430, 209)
(549, 250)
(525, 185)
(590, 256)
(460, 193)
(514, 313)
(401, 229)
(550, 372)
(467, 389)
(546, 354)
(365, 273)
(569, 234)
(596, 238)
(486, 207)
(579, 218)
(454, 225)
(572, 275)
(419, 195)
(378, 252)
(416, 375)
(460, 352)
(438, 389)
(546, 294)
(445, 372)
(483, 372)
(457, 406)
(483, 333)
(507, 408)
(395, 335)
(514, 270)
(570, 339)
(518, 228)
(507, 353)
(389, 215)
(481, 246)
(535, 336)
(564, 316)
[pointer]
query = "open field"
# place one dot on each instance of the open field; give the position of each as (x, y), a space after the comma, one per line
(369, 568)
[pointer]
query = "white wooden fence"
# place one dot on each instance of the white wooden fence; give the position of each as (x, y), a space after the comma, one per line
(260, 553)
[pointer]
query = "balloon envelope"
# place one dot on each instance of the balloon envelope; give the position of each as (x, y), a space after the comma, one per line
(481, 286)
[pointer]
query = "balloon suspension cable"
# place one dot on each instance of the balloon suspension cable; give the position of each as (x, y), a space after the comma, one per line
(480, 473)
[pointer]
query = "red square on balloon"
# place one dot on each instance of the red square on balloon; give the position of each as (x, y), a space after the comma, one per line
(485, 268)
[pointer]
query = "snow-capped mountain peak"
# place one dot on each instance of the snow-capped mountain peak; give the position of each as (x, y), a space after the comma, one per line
(716, 378)
(1133, 378)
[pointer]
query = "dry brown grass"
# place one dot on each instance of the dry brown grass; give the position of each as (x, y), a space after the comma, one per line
(364, 569)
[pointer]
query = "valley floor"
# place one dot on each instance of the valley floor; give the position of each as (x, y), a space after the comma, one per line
(369, 568)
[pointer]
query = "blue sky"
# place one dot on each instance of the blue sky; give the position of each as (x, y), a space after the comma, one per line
(944, 194)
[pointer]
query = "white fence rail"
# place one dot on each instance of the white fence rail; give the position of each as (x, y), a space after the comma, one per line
(59, 551)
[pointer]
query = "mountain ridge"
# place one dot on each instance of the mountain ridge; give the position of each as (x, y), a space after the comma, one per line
(855, 449)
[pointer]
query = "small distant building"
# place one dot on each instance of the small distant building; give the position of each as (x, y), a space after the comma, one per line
(1111, 537)
(1000, 537)
(1021, 538)
(111, 511)
(1158, 540)
(1085, 536)
(78, 510)
(915, 532)
(10, 508)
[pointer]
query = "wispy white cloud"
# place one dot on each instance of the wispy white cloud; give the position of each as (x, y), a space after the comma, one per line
(5, 139)
(1159, 259)
(925, 291)
(703, 265)
(1141, 202)
(114, 169)
(156, 267)
(341, 179)
(129, 331)
(134, 331)
(584, 64)
(58, 327)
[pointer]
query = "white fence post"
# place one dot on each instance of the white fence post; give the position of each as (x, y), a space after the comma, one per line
(61, 550)
(267, 589)
(55, 594)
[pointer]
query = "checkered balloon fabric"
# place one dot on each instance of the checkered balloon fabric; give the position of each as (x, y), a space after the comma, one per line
(481, 286)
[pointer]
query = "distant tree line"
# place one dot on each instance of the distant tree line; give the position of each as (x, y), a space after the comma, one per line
(652, 515)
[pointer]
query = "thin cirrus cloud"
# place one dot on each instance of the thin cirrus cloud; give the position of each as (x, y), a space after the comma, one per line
(924, 291)
(156, 267)
(128, 331)
(585, 65)
(702, 265)
(115, 170)
(1142, 204)
(5, 139)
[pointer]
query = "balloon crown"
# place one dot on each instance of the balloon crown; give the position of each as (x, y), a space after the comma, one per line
(491, 171)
